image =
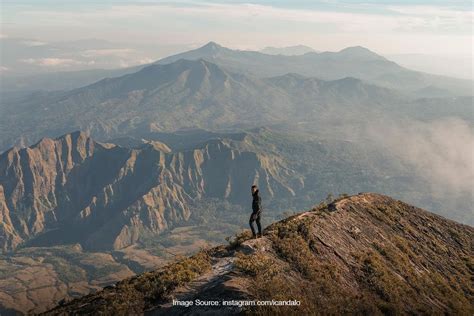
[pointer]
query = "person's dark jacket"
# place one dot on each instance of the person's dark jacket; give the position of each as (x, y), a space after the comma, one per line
(256, 202)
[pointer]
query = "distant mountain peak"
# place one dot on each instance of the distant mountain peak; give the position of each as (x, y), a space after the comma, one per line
(212, 44)
(211, 47)
(357, 48)
(359, 51)
(193, 71)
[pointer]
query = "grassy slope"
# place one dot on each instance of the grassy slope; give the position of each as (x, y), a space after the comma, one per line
(365, 254)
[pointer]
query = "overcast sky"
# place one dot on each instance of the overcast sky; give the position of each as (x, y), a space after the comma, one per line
(387, 27)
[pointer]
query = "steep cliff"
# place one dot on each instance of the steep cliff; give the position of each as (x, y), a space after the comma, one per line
(31, 180)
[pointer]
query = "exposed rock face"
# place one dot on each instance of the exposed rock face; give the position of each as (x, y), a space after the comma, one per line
(72, 189)
(9, 238)
(366, 254)
(30, 181)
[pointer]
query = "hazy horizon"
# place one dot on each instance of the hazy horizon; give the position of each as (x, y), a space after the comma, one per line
(459, 66)
(140, 32)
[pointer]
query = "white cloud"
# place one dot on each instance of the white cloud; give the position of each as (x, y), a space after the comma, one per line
(115, 52)
(430, 11)
(435, 18)
(441, 150)
(144, 61)
(55, 62)
(33, 43)
(126, 56)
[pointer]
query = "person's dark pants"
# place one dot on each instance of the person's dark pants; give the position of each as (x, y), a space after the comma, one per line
(255, 217)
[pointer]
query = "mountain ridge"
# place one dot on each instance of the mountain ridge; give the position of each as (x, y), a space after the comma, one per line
(366, 253)
(77, 185)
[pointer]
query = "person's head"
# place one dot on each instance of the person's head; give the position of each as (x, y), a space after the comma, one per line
(254, 188)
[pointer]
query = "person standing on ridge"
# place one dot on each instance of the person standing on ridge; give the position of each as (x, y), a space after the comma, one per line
(256, 212)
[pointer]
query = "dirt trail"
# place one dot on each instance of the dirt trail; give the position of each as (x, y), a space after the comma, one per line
(222, 282)
(207, 287)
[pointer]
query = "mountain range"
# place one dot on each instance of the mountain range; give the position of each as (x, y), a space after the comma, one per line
(358, 62)
(181, 94)
(198, 93)
(73, 189)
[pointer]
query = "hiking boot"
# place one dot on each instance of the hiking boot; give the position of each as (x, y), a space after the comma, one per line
(259, 235)
(254, 236)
